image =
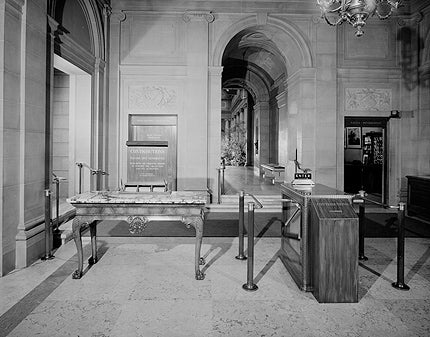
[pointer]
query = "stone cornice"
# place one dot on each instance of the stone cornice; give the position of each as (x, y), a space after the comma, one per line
(233, 6)
(190, 15)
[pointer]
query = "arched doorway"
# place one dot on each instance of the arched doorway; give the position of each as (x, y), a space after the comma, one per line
(257, 59)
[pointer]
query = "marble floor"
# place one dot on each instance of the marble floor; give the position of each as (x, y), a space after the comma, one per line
(146, 287)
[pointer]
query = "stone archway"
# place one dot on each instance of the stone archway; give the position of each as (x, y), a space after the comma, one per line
(283, 39)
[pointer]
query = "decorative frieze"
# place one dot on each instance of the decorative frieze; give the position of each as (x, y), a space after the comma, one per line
(368, 99)
(198, 16)
(151, 97)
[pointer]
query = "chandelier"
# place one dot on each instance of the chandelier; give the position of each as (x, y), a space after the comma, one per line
(356, 12)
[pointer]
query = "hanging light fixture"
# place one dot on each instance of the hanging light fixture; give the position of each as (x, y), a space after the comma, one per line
(356, 12)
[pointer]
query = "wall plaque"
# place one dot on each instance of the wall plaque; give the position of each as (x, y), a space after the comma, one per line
(147, 164)
(151, 150)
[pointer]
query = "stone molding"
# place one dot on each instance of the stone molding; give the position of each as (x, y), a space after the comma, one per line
(410, 20)
(281, 99)
(190, 15)
(15, 5)
(107, 10)
(74, 53)
(118, 16)
(99, 64)
(300, 75)
(215, 71)
(262, 18)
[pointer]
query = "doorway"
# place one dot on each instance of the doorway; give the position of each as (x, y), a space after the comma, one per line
(71, 127)
(365, 156)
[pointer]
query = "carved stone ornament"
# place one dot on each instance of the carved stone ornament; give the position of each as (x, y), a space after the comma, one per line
(362, 99)
(198, 15)
(137, 224)
(118, 16)
(151, 97)
(413, 19)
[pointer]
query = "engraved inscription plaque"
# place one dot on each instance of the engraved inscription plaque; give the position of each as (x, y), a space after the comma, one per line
(147, 164)
(151, 150)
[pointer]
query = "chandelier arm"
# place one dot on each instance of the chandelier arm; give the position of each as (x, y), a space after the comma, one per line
(335, 23)
(383, 17)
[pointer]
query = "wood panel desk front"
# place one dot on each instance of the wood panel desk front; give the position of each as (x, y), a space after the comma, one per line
(296, 254)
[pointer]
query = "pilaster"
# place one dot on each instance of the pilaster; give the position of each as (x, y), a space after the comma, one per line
(214, 127)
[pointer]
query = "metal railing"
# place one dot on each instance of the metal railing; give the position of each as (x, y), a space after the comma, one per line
(401, 210)
(249, 285)
(242, 194)
(56, 182)
(98, 172)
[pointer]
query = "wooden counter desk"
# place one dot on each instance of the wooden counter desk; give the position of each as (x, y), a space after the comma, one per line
(137, 208)
(297, 244)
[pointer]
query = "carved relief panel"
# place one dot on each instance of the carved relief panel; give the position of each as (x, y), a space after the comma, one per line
(368, 99)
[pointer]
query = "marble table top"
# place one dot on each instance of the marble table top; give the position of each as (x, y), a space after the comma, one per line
(121, 197)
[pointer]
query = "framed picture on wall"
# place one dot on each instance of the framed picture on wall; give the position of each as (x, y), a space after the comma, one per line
(353, 137)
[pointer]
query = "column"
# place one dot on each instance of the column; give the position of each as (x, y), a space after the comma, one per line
(281, 101)
(117, 17)
(262, 110)
(29, 32)
(195, 123)
(214, 127)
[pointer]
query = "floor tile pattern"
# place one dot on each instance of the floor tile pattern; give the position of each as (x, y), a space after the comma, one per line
(146, 287)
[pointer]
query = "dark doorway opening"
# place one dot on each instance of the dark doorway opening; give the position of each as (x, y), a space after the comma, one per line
(365, 164)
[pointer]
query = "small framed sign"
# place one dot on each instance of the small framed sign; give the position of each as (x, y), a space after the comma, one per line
(302, 176)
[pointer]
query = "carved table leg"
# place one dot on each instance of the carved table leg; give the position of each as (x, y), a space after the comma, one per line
(93, 232)
(77, 237)
(197, 223)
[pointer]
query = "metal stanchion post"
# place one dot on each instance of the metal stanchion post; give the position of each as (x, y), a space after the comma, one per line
(80, 165)
(57, 203)
(219, 185)
(249, 285)
(400, 284)
(361, 212)
(359, 199)
(361, 255)
(48, 254)
(241, 255)
(222, 175)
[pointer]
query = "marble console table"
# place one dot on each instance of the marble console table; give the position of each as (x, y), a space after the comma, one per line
(137, 208)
